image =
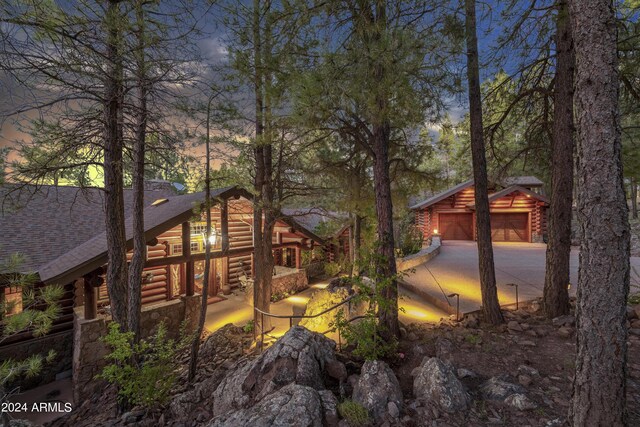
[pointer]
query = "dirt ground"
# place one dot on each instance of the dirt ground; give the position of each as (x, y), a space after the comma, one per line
(489, 352)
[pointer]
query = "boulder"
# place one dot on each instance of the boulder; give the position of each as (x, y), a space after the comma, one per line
(444, 348)
(520, 401)
(514, 326)
(329, 408)
(435, 381)
(528, 370)
(376, 387)
(183, 406)
(524, 380)
(498, 388)
(299, 356)
(470, 321)
(565, 332)
(466, 373)
(565, 320)
(325, 298)
(221, 342)
(336, 369)
(293, 405)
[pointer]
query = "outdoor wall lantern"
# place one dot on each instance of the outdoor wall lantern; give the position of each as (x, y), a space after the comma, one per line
(435, 231)
(213, 238)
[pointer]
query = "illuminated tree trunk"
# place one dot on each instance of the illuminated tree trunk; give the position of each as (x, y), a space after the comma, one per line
(139, 144)
(490, 304)
(113, 174)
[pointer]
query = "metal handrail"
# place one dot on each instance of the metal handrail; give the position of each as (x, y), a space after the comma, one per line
(302, 316)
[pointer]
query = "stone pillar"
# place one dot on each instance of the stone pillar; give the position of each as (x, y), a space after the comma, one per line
(192, 305)
(88, 354)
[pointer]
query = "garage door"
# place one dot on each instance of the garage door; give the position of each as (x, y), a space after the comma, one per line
(509, 227)
(456, 226)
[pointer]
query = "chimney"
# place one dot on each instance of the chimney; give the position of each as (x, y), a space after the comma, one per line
(159, 185)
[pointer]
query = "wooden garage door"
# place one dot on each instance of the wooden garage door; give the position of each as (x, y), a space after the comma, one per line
(509, 227)
(456, 226)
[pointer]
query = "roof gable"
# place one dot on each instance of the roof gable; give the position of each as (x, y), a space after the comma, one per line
(510, 190)
(157, 218)
(441, 196)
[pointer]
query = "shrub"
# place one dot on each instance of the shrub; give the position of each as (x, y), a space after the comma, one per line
(144, 372)
(332, 269)
(365, 335)
(410, 238)
(248, 328)
(355, 414)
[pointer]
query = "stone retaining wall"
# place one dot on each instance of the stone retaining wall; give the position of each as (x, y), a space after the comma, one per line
(421, 257)
(290, 283)
(89, 351)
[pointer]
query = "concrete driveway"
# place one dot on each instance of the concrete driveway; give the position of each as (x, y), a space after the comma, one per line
(455, 270)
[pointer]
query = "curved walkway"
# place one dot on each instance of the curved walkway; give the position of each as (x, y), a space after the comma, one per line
(455, 270)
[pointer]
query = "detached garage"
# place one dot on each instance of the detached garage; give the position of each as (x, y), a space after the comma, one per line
(518, 213)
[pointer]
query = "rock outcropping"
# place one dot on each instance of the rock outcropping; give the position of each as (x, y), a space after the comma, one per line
(376, 388)
(435, 381)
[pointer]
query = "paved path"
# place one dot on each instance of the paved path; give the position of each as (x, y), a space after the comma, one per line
(455, 270)
(236, 310)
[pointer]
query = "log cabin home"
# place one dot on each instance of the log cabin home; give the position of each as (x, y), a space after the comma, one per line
(60, 231)
(518, 212)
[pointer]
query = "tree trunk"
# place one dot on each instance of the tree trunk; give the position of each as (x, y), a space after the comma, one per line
(357, 238)
(556, 293)
(263, 256)
(634, 198)
(490, 304)
(381, 131)
(204, 303)
(599, 387)
(139, 145)
(113, 175)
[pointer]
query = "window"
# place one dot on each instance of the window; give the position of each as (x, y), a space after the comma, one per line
(12, 299)
(176, 249)
(195, 246)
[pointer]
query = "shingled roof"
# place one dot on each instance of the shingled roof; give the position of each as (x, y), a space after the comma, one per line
(157, 219)
(46, 221)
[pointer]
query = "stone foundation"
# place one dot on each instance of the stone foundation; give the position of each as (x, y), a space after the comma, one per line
(290, 282)
(89, 351)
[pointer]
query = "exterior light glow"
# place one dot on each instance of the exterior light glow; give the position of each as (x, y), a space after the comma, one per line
(213, 238)
(435, 231)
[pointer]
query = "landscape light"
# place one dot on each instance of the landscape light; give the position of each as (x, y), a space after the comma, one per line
(457, 304)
